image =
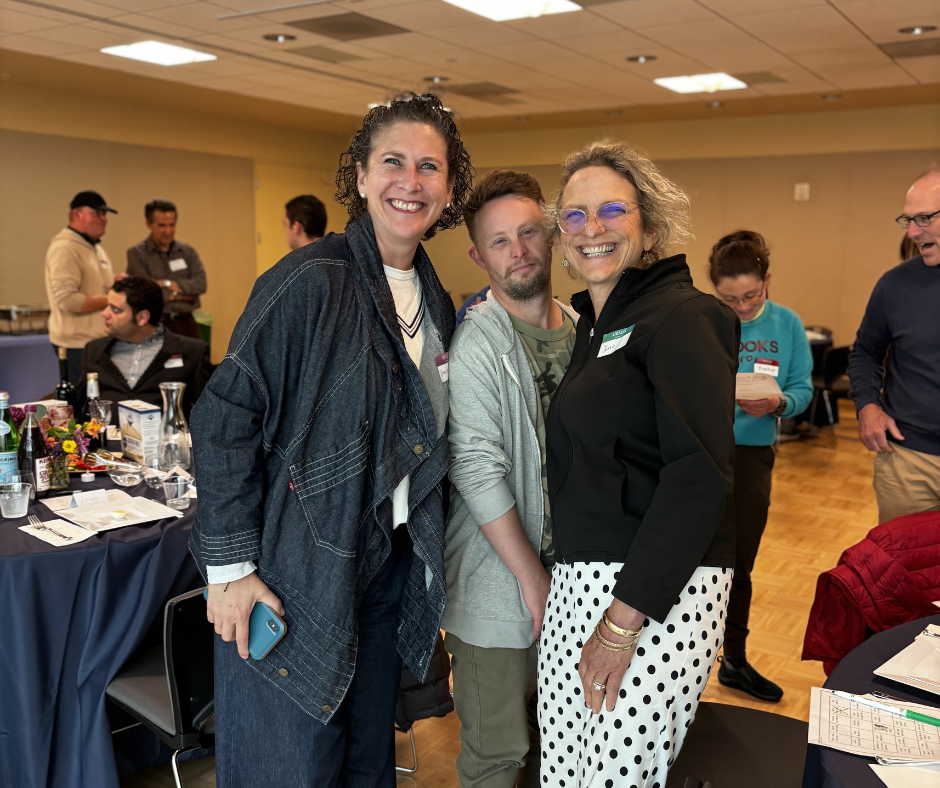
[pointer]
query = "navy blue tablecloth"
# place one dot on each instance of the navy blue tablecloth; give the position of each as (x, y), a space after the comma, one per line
(69, 618)
(827, 768)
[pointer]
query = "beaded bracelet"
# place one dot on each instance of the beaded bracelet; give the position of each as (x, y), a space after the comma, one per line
(610, 645)
(624, 633)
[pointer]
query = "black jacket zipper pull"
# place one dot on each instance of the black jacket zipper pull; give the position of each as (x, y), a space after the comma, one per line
(591, 340)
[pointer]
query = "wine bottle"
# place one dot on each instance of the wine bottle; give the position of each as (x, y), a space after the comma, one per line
(9, 438)
(33, 455)
(65, 391)
(91, 408)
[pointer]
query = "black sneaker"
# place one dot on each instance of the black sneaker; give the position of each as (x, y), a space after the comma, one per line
(748, 680)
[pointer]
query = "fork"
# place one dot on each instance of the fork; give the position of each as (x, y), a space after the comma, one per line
(41, 526)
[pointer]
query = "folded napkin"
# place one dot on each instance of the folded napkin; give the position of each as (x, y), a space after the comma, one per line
(64, 527)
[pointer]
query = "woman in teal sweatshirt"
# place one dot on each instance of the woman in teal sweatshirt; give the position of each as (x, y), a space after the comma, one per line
(772, 341)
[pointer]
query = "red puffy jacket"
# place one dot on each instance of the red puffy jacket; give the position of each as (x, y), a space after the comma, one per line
(892, 576)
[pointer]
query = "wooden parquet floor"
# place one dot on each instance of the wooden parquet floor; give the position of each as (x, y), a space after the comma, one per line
(822, 502)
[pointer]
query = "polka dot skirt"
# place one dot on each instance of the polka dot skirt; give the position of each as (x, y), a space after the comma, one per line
(633, 746)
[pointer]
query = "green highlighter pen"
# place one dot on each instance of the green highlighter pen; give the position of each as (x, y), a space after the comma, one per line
(910, 715)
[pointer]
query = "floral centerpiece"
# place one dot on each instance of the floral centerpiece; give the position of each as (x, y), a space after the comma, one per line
(67, 442)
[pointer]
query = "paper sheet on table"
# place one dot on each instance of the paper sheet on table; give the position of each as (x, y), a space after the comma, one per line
(852, 727)
(97, 516)
(918, 665)
(755, 385)
(896, 776)
(63, 527)
(60, 502)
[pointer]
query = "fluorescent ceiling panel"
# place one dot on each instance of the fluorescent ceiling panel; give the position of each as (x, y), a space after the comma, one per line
(701, 83)
(158, 53)
(504, 10)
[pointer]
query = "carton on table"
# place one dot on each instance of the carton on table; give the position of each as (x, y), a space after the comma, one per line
(140, 429)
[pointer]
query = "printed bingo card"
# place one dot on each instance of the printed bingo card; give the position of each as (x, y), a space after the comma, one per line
(851, 727)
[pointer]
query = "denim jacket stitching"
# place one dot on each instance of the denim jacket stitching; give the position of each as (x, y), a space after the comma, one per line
(276, 296)
(248, 371)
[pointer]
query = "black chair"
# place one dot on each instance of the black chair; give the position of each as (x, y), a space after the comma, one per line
(735, 747)
(831, 384)
(169, 688)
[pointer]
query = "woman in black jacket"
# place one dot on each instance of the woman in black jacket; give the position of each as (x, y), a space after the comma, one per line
(640, 446)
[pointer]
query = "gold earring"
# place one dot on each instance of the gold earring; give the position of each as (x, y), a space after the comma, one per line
(564, 263)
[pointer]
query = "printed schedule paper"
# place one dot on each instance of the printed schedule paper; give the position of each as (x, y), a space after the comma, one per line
(851, 727)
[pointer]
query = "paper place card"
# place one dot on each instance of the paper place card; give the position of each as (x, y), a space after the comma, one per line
(114, 433)
(60, 502)
(89, 496)
(63, 527)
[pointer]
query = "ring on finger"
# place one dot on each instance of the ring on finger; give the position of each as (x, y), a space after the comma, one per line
(598, 686)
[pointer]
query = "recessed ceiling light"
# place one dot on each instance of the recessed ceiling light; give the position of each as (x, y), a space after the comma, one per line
(714, 105)
(159, 53)
(917, 30)
(831, 96)
(701, 83)
(436, 80)
(504, 10)
(641, 58)
(280, 38)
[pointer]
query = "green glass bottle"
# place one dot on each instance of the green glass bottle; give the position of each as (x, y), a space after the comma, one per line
(9, 437)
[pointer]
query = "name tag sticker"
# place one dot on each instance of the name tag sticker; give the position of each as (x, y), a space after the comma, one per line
(173, 362)
(179, 264)
(442, 363)
(768, 366)
(614, 341)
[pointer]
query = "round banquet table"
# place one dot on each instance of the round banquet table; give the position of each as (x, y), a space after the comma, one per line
(69, 618)
(828, 768)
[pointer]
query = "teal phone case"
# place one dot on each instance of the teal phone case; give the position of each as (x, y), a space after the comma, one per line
(265, 629)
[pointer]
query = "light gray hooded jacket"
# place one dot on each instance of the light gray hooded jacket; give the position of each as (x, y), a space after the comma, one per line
(496, 465)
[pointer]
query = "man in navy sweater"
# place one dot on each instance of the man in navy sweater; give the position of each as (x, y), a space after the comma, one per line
(899, 412)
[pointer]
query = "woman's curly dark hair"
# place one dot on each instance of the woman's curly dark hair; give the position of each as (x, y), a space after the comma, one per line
(426, 109)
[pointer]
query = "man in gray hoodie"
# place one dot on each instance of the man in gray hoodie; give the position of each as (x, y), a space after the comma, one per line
(505, 363)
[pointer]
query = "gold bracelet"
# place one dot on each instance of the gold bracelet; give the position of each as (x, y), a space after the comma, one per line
(624, 633)
(610, 645)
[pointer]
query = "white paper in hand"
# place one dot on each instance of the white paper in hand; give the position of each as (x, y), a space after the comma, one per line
(755, 385)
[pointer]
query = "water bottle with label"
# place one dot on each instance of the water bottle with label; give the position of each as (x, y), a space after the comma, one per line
(9, 438)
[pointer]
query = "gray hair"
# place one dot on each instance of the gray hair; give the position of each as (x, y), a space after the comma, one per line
(664, 207)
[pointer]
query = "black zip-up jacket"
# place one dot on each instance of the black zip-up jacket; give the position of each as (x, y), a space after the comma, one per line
(641, 439)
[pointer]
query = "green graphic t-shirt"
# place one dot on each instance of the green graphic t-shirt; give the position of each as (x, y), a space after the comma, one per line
(549, 353)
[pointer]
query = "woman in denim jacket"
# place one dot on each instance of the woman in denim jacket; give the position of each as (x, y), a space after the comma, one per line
(319, 451)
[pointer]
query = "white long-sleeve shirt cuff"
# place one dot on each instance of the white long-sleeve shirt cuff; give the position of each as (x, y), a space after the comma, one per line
(230, 572)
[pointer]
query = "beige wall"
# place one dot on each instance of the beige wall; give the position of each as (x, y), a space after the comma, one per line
(214, 195)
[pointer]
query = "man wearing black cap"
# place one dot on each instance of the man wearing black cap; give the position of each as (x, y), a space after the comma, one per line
(78, 277)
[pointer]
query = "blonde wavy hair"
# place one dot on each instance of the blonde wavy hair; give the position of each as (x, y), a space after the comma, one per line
(664, 207)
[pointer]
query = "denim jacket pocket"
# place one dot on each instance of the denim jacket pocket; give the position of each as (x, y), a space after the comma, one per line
(331, 486)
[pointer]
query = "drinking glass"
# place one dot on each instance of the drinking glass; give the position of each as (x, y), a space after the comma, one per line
(14, 499)
(155, 474)
(104, 413)
(174, 488)
(23, 477)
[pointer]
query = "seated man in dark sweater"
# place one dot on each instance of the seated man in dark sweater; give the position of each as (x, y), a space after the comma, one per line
(899, 407)
(139, 354)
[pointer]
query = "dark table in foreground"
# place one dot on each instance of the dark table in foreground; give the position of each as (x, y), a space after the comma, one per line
(828, 768)
(69, 618)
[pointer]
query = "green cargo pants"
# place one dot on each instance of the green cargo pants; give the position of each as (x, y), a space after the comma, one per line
(496, 701)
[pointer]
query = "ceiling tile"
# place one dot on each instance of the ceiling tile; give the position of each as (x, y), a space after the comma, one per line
(560, 26)
(651, 13)
(202, 16)
(38, 46)
(425, 15)
(901, 12)
(525, 53)
(488, 34)
(734, 7)
(863, 75)
(155, 27)
(818, 58)
(16, 22)
(707, 31)
(925, 70)
(408, 44)
(796, 20)
(614, 39)
(813, 40)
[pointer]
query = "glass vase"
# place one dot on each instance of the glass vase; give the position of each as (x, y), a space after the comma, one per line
(59, 472)
(174, 431)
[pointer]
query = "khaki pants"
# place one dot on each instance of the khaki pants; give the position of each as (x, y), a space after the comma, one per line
(906, 482)
(495, 698)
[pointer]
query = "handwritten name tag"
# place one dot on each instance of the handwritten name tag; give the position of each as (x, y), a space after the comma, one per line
(173, 362)
(614, 341)
(179, 264)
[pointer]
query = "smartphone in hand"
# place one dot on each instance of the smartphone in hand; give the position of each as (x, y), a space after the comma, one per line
(265, 629)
